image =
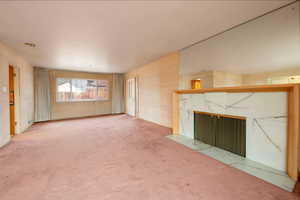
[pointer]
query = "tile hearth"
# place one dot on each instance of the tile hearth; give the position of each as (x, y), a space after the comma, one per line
(268, 174)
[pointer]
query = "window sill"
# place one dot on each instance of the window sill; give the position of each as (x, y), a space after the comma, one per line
(83, 100)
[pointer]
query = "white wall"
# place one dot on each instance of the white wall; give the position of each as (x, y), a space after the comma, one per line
(4, 108)
(26, 93)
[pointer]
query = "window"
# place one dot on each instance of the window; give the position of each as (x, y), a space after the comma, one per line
(69, 89)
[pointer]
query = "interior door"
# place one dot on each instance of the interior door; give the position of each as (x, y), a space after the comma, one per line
(11, 101)
(131, 100)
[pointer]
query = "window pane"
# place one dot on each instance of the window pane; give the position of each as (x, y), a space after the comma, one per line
(103, 92)
(82, 89)
(79, 87)
(92, 89)
(63, 89)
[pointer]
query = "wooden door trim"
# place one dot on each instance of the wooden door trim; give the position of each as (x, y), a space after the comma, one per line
(11, 100)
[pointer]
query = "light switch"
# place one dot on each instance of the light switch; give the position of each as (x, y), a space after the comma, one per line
(4, 89)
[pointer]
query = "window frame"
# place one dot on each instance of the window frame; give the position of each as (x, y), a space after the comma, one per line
(71, 93)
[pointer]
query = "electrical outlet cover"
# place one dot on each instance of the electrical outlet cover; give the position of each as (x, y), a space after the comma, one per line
(4, 89)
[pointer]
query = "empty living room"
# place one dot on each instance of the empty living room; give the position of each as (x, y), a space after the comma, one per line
(149, 100)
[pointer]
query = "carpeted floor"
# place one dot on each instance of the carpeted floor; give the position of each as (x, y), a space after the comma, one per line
(118, 157)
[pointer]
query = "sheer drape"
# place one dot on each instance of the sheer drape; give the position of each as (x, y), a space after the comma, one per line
(118, 94)
(42, 94)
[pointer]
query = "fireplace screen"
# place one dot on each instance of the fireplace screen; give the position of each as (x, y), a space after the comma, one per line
(225, 132)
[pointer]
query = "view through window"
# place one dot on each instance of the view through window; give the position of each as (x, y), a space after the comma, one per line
(69, 89)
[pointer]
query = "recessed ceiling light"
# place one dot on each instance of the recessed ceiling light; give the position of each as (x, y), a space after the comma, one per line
(30, 44)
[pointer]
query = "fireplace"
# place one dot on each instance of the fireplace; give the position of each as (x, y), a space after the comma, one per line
(269, 122)
(223, 131)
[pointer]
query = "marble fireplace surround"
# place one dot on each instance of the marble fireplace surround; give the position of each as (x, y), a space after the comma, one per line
(272, 119)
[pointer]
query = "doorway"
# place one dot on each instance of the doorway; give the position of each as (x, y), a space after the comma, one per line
(12, 100)
(131, 96)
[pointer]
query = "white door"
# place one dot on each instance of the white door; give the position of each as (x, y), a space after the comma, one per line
(131, 96)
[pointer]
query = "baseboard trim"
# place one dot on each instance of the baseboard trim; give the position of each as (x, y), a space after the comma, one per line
(74, 118)
(6, 142)
(150, 121)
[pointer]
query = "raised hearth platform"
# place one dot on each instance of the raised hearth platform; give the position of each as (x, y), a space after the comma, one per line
(268, 174)
(271, 113)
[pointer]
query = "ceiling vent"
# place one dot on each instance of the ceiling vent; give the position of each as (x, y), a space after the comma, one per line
(30, 44)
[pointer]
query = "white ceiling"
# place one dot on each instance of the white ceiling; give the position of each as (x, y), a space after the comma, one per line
(115, 36)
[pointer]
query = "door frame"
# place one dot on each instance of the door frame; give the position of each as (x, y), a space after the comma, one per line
(136, 92)
(16, 83)
(11, 83)
(17, 99)
(130, 94)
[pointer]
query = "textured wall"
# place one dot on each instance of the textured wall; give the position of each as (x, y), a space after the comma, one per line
(156, 82)
(25, 96)
(227, 79)
(207, 79)
(262, 78)
(64, 110)
(4, 103)
(211, 79)
(268, 43)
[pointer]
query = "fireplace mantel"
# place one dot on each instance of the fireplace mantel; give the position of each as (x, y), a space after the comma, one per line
(252, 88)
(292, 91)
